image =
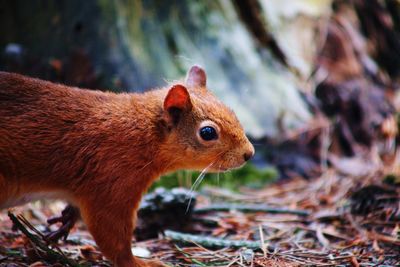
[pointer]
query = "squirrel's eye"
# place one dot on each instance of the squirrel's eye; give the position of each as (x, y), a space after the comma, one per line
(208, 133)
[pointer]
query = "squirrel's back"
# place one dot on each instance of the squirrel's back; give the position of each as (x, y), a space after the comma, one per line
(21, 94)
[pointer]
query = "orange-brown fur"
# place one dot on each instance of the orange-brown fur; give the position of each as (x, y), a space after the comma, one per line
(102, 150)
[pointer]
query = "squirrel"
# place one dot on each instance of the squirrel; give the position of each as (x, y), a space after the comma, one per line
(101, 151)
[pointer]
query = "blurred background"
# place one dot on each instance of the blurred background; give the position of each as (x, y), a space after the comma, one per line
(314, 82)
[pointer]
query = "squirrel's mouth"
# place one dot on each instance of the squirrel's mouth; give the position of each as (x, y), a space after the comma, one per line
(226, 168)
(225, 164)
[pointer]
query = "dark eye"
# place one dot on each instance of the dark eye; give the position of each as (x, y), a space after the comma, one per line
(208, 133)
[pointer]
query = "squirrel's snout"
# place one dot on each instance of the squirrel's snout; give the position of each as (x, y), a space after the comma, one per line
(249, 154)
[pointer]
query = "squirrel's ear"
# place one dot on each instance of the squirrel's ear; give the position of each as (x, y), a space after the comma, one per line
(196, 77)
(176, 102)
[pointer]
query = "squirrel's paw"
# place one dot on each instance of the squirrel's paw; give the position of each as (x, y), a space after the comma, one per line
(68, 218)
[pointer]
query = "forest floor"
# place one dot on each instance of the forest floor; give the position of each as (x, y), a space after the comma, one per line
(346, 217)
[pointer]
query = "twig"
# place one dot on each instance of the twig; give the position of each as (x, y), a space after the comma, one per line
(53, 255)
(186, 255)
(250, 208)
(213, 242)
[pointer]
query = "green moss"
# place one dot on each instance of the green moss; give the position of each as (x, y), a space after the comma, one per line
(391, 179)
(248, 175)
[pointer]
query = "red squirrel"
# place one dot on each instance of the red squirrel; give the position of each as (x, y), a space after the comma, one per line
(101, 151)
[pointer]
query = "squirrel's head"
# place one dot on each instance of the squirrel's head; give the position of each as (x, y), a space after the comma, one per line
(202, 133)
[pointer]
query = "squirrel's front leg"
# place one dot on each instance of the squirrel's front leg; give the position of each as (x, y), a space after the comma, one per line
(111, 226)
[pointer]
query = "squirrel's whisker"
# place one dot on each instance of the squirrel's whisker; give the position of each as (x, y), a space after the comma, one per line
(196, 183)
(218, 173)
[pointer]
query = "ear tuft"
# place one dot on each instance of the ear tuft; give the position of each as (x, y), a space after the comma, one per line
(196, 77)
(176, 102)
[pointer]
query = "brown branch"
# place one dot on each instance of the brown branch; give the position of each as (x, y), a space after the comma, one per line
(50, 253)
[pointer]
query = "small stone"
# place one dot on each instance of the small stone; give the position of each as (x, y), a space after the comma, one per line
(248, 255)
(13, 49)
(141, 252)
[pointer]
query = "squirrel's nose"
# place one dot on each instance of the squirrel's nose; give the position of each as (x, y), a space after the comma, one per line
(248, 155)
